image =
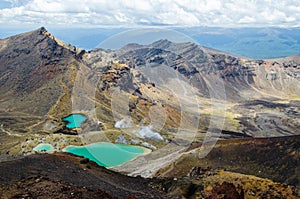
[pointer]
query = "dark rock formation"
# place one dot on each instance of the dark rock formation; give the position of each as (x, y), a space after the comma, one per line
(226, 190)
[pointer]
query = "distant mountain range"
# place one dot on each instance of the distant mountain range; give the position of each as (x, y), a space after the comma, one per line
(256, 43)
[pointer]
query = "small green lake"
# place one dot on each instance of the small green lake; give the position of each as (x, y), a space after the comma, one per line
(107, 154)
(74, 120)
(43, 147)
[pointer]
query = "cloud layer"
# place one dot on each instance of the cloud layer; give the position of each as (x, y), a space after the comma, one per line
(224, 13)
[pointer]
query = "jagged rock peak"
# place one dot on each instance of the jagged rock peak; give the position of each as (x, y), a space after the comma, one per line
(131, 46)
(162, 43)
(45, 32)
(42, 30)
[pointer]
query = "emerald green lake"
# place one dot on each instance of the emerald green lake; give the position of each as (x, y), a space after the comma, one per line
(43, 147)
(74, 120)
(107, 154)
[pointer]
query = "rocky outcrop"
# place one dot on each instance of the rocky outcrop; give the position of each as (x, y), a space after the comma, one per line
(226, 190)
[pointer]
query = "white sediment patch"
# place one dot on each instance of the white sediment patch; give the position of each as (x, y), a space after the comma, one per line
(150, 146)
(123, 123)
(121, 140)
(146, 133)
(133, 141)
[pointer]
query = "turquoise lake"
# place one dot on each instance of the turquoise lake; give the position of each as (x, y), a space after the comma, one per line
(74, 120)
(107, 154)
(43, 147)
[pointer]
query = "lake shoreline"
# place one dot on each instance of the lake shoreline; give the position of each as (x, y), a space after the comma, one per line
(90, 152)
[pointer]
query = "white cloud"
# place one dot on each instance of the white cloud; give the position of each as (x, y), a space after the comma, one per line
(246, 19)
(134, 12)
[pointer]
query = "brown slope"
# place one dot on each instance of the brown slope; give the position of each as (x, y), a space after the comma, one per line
(273, 158)
(32, 67)
(34, 172)
(66, 176)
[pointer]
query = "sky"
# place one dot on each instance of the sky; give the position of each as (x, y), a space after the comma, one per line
(141, 13)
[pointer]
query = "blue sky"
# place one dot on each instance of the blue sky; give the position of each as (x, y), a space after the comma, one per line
(5, 4)
(137, 13)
